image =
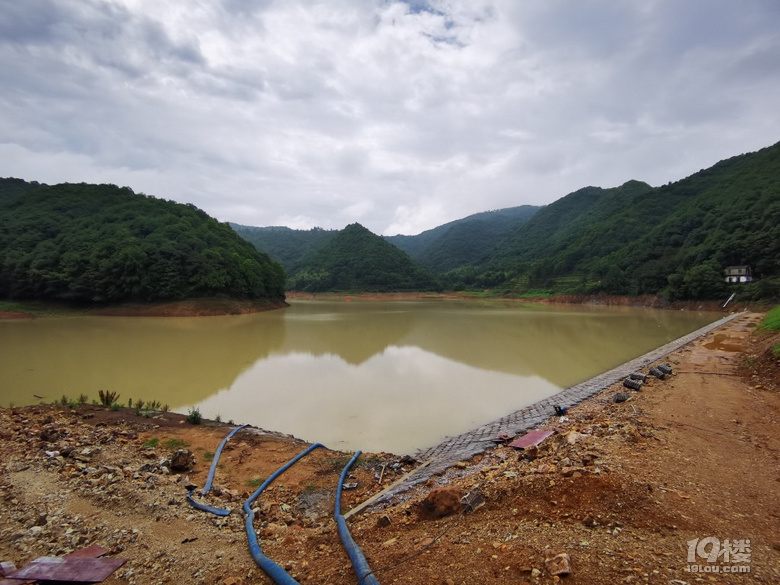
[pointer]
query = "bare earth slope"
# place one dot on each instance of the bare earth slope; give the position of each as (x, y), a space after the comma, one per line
(621, 488)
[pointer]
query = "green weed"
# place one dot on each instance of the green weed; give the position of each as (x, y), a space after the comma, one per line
(255, 482)
(194, 417)
(174, 444)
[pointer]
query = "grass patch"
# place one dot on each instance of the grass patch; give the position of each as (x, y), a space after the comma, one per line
(153, 442)
(208, 455)
(255, 482)
(771, 323)
(771, 320)
(174, 444)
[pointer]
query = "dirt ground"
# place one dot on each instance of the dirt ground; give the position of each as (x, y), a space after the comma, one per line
(622, 488)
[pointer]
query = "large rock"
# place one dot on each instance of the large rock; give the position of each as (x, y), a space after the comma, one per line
(182, 460)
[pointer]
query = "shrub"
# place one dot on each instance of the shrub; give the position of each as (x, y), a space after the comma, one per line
(194, 417)
(108, 398)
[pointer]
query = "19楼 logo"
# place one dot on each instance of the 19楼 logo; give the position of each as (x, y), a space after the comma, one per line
(729, 556)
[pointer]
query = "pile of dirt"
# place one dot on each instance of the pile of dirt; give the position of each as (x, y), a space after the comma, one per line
(615, 495)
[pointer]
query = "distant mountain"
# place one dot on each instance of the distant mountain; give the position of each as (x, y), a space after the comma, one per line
(463, 241)
(283, 244)
(103, 243)
(675, 239)
(356, 260)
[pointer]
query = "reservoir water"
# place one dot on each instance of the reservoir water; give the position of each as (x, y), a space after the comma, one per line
(391, 376)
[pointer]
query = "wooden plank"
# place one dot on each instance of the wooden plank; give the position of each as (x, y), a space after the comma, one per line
(360, 507)
(73, 570)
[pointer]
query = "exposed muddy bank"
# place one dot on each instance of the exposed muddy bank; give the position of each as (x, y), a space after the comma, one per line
(186, 308)
(648, 301)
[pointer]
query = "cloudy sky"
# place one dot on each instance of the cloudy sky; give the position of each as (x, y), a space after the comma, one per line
(398, 115)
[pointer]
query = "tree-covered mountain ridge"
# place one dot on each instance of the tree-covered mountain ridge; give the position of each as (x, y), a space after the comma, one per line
(102, 243)
(675, 240)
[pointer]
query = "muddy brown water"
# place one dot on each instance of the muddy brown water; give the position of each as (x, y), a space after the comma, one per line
(392, 376)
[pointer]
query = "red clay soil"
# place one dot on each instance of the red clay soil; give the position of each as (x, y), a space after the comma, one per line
(190, 308)
(15, 315)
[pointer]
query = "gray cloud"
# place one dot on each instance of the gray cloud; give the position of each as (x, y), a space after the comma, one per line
(399, 115)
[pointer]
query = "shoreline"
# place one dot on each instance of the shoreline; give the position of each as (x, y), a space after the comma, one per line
(612, 478)
(440, 458)
(211, 307)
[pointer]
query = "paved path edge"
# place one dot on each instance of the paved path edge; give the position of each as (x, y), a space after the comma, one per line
(461, 447)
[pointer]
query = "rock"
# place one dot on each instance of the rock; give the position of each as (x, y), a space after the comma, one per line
(530, 453)
(560, 564)
(383, 521)
(182, 460)
(442, 502)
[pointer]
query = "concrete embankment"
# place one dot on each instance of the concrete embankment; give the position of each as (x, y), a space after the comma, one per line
(464, 446)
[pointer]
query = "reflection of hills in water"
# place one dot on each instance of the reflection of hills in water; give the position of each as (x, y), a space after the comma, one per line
(178, 361)
(355, 333)
(182, 362)
(563, 346)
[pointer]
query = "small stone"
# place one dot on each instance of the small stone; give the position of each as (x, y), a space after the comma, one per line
(560, 564)
(383, 521)
(536, 573)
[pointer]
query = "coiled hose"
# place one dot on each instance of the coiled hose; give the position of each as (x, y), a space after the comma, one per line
(364, 573)
(274, 571)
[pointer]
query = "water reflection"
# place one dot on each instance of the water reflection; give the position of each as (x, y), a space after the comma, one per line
(176, 361)
(391, 376)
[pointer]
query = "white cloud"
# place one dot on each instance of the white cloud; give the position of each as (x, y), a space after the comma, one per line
(401, 116)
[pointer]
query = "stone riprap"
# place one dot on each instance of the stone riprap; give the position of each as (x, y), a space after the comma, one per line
(461, 447)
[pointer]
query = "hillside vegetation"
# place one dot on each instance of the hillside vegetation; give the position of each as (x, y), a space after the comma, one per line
(285, 245)
(465, 241)
(674, 240)
(102, 243)
(357, 260)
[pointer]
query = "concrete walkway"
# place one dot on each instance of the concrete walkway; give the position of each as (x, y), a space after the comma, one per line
(465, 446)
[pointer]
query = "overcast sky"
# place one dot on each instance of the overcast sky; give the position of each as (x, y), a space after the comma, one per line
(398, 115)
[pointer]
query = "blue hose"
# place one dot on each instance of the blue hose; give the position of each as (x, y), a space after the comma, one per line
(277, 573)
(213, 468)
(210, 479)
(362, 570)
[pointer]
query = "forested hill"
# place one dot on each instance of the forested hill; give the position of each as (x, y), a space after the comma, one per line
(102, 243)
(675, 239)
(356, 260)
(463, 241)
(284, 244)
